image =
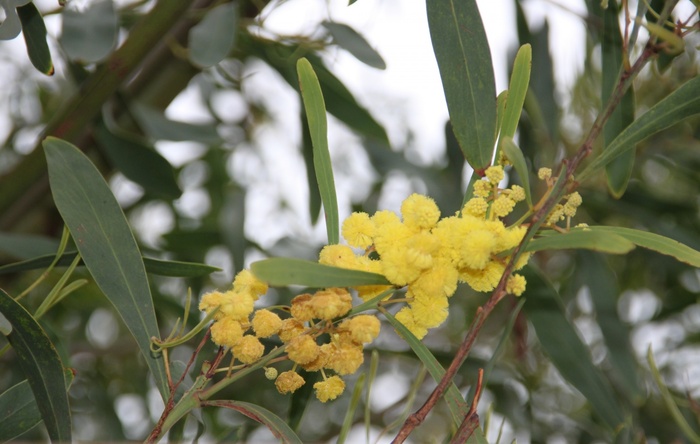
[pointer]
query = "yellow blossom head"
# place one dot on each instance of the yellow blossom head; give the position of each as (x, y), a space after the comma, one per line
(495, 174)
(248, 350)
(338, 256)
(405, 316)
(544, 173)
(344, 357)
(419, 212)
(476, 206)
(331, 303)
(291, 328)
(516, 285)
(303, 349)
(329, 389)
(210, 302)
(237, 305)
(301, 307)
(245, 281)
(226, 332)
(266, 323)
(289, 382)
(502, 206)
(358, 230)
(482, 188)
(362, 329)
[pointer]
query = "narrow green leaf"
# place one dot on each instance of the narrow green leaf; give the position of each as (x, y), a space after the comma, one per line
(308, 153)
(463, 56)
(212, 39)
(42, 366)
(273, 422)
(517, 90)
(581, 238)
(318, 127)
(352, 409)
(106, 244)
(19, 409)
(501, 102)
(656, 242)
(568, 353)
(89, 34)
(34, 31)
(354, 43)
(458, 407)
(284, 271)
(160, 127)
(516, 157)
(26, 246)
(679, 105)
(619, 171)
(139, 163)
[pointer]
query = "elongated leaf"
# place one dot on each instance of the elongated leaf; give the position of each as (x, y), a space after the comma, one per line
(212, 39)
(680, 104)
(106, 243)
(579, 238)
(352, 409)
(308, 153)
(619, 171)
(656, 242)
(273, 422)
(34, 31)
(19, 409)
(455, 401)
(160, 127)
(318, 127)
(26, 246)
(90, 35)
(516, 157)
(564, 347)
(139, 162)
(284, 271)
(354, 43)
(42, 366)
(517, 90)
(463, 56)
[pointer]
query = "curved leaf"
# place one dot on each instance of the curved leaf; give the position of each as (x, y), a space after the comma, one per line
(656, 242)
(106, 243)
(212, 39)
(568, 353)
(284, 271)
(679, 105)
(517, 90)
(354, 43)
(26, 246)
(318, 127)
(516, 157)
(463, 56)
(42, 366)
(582, 238)
(90, 35)
(160, 127)
(273, 422)
(34, 31)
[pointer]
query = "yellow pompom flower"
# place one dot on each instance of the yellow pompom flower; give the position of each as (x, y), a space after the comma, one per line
(429, 311)
(362, 329)
(237, 305)
(339, 256)
(440, 280)
(358, 230)
(289, 382)
(389, 231)
(556, 214)
(248, 350)
(502, 206)
(517, 193)
(321, 360)
(396, 266)
(331, 303)
(484, 279)
(405, 316)
(226, 332)
(211, 301)
(291, 328)
(516, 285)
(246, 282)
(303, 349)
(419, 212)
(329, 389)
(266, 323)
(344, 358)
(476, 206)
(482, 189)
(301, 307)
(495, 174)
(476, 249)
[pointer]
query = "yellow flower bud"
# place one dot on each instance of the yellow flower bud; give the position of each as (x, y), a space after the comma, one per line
(516, 285)
(544, 173)
(270, 373)
(495, 174)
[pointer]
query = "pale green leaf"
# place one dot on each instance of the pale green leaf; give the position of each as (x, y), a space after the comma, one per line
(519, 81)
(515, 156)
(581, 238)
(274, 423)
(89, 34)
(285, 271)
(354, 43)
(212, 39)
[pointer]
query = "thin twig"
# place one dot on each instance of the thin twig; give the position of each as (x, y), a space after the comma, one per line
(471, 420)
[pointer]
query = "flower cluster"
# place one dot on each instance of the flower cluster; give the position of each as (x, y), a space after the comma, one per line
(314, 336)
(430, 255)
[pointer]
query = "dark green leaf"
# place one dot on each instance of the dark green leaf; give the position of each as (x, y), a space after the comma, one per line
(568, 353)
(273, 422)
(25, 246)
(139, 162)
(318, 128)
(106, 244)
(160, 127)
(42, 366)
(513, 153)
(283, 271)
(351, 41)
(463, 56)
(680, 104)
(212, 39)
(308, 153)
(582, 238)
(34, 31)
(89, 35)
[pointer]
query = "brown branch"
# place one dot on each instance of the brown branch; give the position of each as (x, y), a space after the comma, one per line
(471, 420)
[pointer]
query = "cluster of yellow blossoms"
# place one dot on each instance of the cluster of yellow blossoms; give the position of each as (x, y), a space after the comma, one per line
(430, 255)
(313, 318)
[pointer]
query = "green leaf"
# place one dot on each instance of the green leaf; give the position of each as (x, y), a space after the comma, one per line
(458, 407)
(19, 409)
(318, 127)
(354, 43)
(34, 31)
(679, 105)
(284, 271)
(89, 35)
(106, 244)
(42, 366)
(515, 155)
(656, 242)
(517, 90)
(139, 163)
(308, 153)
(273, 422)
(463, 56)
(160, 127)
(619, 171)
(25, 246)
(564, 347)
(349, 419)
(581, 238)
(212, 39)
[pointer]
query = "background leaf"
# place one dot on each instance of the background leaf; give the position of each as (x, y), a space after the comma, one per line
(517, 90)
(285, 271)
(211, 40)
(106, 243)
(582, 238)
(463, 56)
(34, 31)
(354, 43)
(273, 422)
(42, 366)
(160, 127)
(90, 34)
